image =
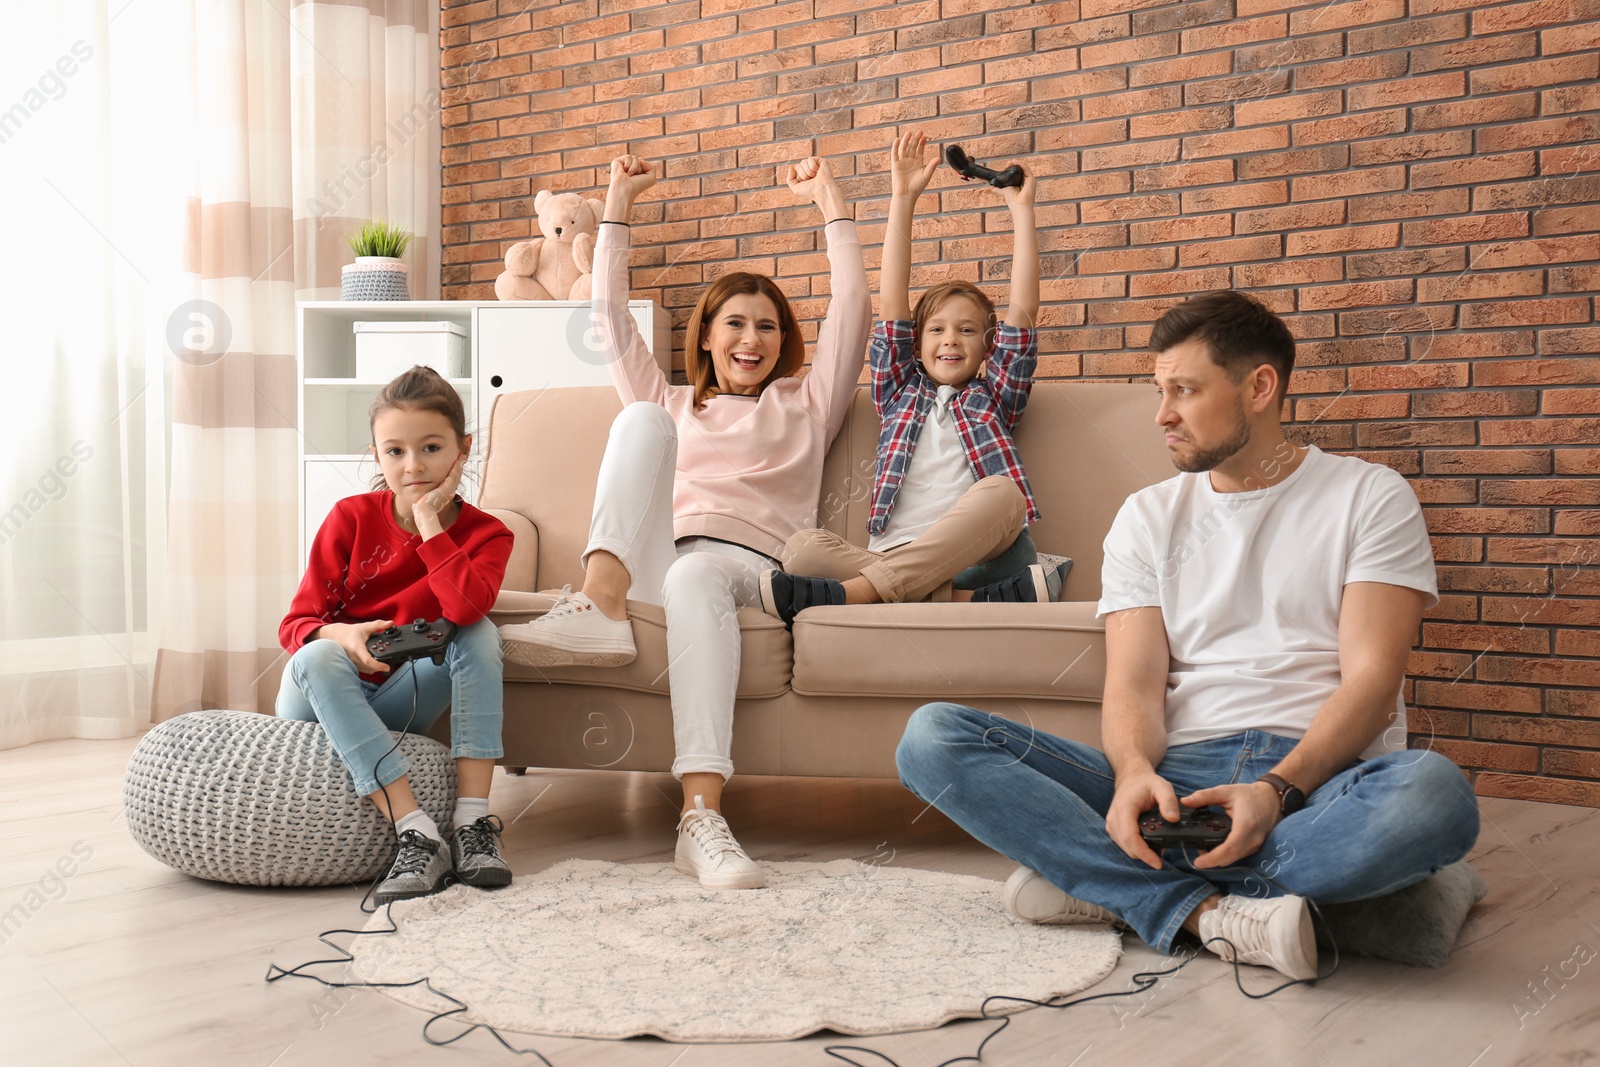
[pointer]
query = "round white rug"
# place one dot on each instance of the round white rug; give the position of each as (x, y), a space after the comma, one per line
(609, 950)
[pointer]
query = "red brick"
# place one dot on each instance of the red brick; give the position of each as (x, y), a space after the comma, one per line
(1344, 239)
(1407, 91)
(1563, 342)
(1410, 376)
(1504, 79)
(1368, 68)
(1538, 549)
(1527, 312)
(1187, 228)
(1571, 402)
(1540, 194)
(1414, 435)
(1544, 491)
(1576, 128)
(1356, 294)
(1345, 128)
(1237, 195)
(1453, 608)
(1544, 790)
(1178, 281)
(1349, 183)
(1538, 730)
(1434, 722)
(1490, 756)
(1475, 697)
(1462, 230)
(1479, 286)
(1477, 52)
(1351, 350)
(1127, 261)
(1235, 142)
(1131, 207)
(1344, 408)
(1299, 161)
(1539, 251)
(1138, 154)
(1287, 272)
(1487, 461)
(1475, 113)
(1405, 261)
(1238, 251)
(1289, 108)
(1181, 69)
(1572, 702)
(1569, 762)
(1172, 123)
(1182, 175)
(1537, 13)
(1585, 36)
(1438, 664)
(1234, 33)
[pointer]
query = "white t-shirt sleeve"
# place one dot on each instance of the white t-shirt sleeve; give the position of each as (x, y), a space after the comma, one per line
(1391, 539)
(1128, 577)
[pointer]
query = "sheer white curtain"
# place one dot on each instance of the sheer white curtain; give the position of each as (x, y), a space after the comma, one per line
(159, 164)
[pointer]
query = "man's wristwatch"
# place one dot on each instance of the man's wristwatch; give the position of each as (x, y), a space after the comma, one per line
(1290, 797)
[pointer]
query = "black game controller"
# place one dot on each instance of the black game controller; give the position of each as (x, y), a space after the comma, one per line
(1197, 829)
(420, 640)
(971, 170)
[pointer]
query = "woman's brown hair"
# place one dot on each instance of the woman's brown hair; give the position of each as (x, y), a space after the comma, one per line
(701, 372)
(419, 389)
(934, 299)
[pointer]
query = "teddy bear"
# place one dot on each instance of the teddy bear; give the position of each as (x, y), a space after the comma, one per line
(559, 265)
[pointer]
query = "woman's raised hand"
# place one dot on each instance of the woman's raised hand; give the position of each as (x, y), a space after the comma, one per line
(810, 177)
(910, 169)
(630, 176)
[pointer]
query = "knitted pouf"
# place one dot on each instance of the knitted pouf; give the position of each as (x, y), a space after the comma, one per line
(241, 797)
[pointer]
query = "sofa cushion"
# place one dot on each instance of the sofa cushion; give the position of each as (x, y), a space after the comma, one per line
(951, 651)
(764, 657)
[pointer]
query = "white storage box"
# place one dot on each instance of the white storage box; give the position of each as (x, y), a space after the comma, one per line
(386, 350)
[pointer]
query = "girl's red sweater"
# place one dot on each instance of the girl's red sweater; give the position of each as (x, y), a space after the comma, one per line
(363, 567)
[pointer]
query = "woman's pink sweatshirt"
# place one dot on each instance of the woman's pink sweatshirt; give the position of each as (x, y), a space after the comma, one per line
(749, 467)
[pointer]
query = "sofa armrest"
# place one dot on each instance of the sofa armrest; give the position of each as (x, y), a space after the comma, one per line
(522, 569)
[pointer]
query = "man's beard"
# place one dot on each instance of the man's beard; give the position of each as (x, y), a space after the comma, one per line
(1205, 459)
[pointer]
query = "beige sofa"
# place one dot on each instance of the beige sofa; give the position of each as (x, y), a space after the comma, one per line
(832, 698)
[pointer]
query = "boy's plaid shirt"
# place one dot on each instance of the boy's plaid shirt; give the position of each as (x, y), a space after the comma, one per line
(985, 410)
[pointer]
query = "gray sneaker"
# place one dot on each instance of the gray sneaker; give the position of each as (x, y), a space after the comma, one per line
(475, 851)
(421, 868)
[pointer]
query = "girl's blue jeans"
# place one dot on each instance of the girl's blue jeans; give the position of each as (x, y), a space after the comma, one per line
(1377, 826)
(321, 684)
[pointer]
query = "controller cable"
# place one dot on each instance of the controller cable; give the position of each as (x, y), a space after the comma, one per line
(275, 972)
(1143, 981)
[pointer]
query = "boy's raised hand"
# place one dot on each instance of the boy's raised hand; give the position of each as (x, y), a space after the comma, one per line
(1020, 196)
(910, 169)
(631, 176)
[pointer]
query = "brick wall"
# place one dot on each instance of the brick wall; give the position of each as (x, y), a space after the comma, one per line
(1414, 186)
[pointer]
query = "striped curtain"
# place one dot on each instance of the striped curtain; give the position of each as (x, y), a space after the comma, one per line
(308, 118)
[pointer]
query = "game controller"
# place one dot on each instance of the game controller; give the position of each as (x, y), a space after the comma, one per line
(420, 640)
(972, 170)
(1196, 828)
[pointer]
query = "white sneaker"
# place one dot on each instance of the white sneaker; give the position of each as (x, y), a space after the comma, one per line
(1031, 897)
(573, 633)
(707, 850)
(1271, 932)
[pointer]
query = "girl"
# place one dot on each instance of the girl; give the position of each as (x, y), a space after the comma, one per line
(700, 486)
(412, 550)
(965, 501)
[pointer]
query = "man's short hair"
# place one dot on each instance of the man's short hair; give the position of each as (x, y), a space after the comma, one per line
(1240, 333)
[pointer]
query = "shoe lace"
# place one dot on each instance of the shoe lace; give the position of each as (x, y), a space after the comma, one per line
(710, 829)
(565, 604)
(414, 854)
(1242, 924)
(481, 837)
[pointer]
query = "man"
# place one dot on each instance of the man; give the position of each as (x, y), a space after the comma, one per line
(1259, 608)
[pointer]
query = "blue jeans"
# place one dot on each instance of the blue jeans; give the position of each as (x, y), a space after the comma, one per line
(321, 684)
(1375, 827)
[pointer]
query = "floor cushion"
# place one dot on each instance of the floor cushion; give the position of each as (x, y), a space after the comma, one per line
(246, 798)
(1417, 925)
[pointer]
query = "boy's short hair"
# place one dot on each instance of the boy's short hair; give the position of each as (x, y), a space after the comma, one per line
(932, 300)
(1239, 331)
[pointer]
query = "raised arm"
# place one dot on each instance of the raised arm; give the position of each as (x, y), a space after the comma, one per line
(910, 170)
(634, 371)
(842, 337)
(1022, 309)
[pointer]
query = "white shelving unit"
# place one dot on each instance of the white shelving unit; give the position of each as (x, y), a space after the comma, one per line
(512, 346)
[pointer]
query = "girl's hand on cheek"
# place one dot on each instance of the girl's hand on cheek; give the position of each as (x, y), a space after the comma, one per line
(437, 500)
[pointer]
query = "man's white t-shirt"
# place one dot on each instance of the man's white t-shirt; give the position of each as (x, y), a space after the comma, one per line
(1249, 586)
(939, 475)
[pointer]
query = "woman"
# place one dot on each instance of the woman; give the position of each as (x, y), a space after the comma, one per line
(701, 485)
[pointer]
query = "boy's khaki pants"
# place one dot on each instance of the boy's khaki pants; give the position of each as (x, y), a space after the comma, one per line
(983, 524)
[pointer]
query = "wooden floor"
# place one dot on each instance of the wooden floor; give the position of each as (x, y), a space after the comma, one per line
(127, 962)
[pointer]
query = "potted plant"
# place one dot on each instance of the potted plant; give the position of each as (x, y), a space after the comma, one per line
(377, 273)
